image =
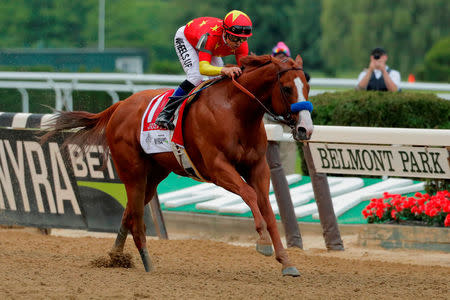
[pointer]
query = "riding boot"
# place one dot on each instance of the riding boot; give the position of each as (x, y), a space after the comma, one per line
(164, 118)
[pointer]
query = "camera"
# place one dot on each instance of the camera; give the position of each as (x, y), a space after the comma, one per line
(376, 56)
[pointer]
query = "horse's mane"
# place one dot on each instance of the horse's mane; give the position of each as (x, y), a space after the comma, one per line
(251, 62)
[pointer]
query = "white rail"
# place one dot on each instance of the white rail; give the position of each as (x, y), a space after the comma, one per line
(367, 135)
(378, 135)
(64, 83)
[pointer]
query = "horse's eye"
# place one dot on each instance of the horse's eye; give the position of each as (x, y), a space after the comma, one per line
(287, 90)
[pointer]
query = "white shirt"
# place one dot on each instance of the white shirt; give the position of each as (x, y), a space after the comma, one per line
(394, 74)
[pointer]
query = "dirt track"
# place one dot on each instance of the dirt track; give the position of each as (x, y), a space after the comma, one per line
(34, 266)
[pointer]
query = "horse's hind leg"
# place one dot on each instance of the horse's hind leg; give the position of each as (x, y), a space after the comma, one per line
(133, 219)
(120, 240)
(132, 169)
(140, 191)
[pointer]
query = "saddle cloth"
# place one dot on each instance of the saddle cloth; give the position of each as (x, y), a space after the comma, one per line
(155, 139)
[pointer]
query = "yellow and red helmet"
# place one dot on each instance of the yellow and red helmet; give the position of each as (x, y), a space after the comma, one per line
(237, 23)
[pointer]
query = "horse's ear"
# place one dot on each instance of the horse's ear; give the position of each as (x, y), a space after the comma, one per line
(254, 61)
(299, 60)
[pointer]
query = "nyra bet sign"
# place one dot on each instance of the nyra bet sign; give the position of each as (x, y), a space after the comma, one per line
(419, 162)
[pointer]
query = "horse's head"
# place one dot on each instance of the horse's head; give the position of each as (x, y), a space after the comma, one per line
(290, 100)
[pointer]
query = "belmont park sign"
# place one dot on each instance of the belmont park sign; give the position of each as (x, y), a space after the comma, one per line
(419, 162)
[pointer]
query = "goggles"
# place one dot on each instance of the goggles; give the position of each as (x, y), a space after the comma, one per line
(236, 39)
(237, 29)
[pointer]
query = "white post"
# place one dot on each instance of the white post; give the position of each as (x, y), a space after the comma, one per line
(101, 25)
(25, 100)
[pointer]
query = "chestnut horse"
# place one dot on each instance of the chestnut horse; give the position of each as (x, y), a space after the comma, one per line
(224, 136)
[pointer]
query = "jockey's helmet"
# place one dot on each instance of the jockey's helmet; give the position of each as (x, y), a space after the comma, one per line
(237, 23)
(281, 48)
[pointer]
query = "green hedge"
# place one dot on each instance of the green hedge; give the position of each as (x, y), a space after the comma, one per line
(381, 109)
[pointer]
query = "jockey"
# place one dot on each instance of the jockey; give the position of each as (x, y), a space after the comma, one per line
(200, 44)
(281, 51)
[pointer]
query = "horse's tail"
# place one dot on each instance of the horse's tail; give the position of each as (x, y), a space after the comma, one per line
(90, 128)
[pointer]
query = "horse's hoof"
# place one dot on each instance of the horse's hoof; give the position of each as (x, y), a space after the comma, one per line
(264, 249)
(146, 259)
(290, 271)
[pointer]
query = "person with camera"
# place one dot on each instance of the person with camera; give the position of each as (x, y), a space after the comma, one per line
(378, 76)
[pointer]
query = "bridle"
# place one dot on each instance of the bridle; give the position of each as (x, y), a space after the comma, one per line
(285, 118)
(288, 116)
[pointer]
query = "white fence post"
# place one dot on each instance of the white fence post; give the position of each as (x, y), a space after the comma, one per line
(25, 100)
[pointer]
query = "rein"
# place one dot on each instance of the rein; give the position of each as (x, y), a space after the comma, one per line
(285, 120)
(248, 93)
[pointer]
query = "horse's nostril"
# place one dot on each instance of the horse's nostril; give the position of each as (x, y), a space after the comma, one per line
(301, 134)
(301, 131)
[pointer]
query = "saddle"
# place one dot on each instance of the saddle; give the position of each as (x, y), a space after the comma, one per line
(155, 139)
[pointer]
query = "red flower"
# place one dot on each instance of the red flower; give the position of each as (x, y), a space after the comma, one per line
(367, 213)
(432, 212)
(422, 207)
(394, 214)
(447, 221)
(379, 213)
(446, 207)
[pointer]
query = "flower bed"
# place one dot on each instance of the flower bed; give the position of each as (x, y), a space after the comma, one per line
(422, 209)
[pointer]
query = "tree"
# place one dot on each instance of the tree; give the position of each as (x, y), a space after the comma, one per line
(44, 24)
(304, 32)
(437, 62)
(405, 28)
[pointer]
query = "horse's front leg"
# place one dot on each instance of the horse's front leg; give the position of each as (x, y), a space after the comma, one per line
(260, 180)
(223, 174)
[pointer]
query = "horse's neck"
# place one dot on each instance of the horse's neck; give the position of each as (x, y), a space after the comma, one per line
(260, 82)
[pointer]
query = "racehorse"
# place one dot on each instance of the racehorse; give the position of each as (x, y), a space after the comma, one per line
(224, 136)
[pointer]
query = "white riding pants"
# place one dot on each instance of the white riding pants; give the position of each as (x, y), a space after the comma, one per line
(188, 57)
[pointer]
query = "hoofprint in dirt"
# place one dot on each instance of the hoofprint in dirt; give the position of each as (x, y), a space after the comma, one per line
(40, 267)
